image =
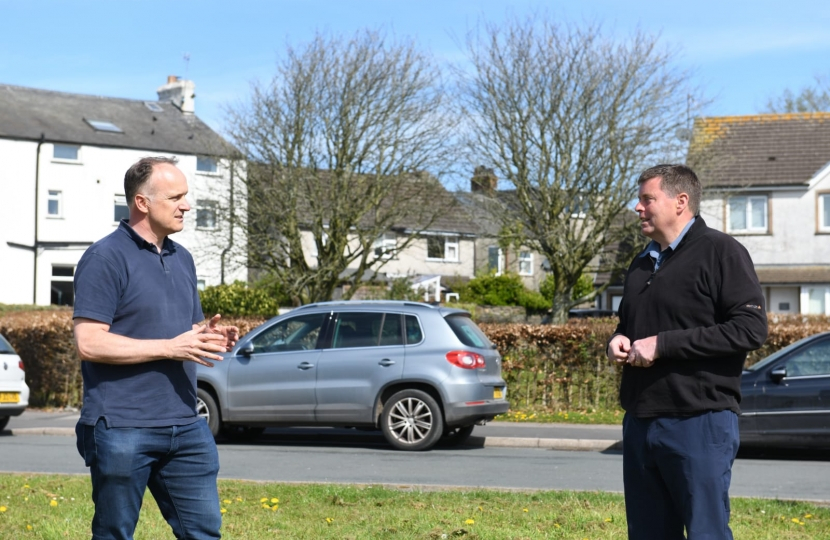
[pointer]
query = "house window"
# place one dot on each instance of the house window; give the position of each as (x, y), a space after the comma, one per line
(442, 248)
(54, 205)
(748, 214)
(103, 125)
(200, 284)
(824, 212)
(68, 152)
(815, 299)
(385, 245)
(579, 207)
(324, 239)
(62, 292)
(120, 210)
(205, 164)
(495, 260)
(525, 263)
(206, 214)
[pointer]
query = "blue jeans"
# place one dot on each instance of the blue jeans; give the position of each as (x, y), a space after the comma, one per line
(676, 472)
(178, 463)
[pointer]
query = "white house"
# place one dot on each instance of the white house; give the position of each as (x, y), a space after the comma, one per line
(766, 182)
(64, 157)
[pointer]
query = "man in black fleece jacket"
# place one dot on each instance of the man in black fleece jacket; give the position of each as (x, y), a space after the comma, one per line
(691, 310)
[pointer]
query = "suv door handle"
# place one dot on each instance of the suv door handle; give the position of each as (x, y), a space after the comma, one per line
(306, 365)
(386, 362)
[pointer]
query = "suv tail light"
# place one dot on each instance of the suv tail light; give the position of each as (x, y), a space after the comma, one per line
(465, 359)
(20, 365)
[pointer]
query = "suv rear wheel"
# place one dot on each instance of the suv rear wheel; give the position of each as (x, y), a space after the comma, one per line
(412, 420)
(207, 409)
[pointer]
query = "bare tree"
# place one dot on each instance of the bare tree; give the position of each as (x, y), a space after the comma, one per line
(569, 117)
(338, 145)
(814, 98)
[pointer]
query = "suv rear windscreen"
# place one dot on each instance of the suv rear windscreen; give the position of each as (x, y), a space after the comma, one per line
(467, 331)
(5, 348)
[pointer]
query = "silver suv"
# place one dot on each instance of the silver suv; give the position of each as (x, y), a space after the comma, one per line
(416, 372)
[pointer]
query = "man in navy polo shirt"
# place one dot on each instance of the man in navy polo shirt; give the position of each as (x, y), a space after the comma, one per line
(139, 332)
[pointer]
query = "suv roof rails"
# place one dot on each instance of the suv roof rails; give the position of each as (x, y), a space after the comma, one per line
(369, 302)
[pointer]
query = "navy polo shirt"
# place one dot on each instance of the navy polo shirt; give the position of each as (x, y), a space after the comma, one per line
(122, 280)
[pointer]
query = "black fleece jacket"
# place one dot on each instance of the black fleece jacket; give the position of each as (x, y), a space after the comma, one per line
(706, 308)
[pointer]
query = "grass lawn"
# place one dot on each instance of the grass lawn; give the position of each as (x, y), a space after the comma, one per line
(57, 506)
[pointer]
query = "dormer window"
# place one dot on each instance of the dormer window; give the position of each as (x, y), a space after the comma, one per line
(103, 125)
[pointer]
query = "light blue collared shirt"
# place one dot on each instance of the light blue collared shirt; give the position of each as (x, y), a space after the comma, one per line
(653, 248)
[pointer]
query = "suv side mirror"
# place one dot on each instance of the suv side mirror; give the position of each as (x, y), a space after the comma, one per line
(778, 373)
(246, 350)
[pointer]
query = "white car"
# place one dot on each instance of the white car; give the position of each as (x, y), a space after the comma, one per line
(14, 393)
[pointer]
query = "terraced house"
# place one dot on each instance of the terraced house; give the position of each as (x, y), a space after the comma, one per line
(64, 156)
(767, 183)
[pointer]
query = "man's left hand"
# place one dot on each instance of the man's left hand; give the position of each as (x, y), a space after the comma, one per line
(643, 352)
(231, 333)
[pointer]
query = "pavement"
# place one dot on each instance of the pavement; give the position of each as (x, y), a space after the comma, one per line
(494, 434)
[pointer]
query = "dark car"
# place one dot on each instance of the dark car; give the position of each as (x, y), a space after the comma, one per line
(786, 397)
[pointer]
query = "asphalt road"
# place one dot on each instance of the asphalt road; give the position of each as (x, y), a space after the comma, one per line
(346, 456)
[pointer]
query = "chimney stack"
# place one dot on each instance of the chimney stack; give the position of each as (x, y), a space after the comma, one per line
(484, 180)
(179, 92)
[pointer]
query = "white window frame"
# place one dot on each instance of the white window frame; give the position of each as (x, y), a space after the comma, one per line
(207, 205)
(823, 206)
(525, 263)
(313, 253)
(451, 248)
(805, 299)
(56, 196)
(748, 200)
(56, 159)
(578, 206)
(499, 259)
(387, 244)
(119, 200)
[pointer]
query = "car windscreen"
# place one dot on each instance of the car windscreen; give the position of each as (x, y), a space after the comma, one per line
(775, 356)
(5, 348)
(467, 331)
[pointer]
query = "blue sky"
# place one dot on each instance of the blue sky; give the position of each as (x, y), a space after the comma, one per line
(741, 52)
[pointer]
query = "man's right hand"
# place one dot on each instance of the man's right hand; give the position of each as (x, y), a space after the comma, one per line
(198, 346)
(618, 349)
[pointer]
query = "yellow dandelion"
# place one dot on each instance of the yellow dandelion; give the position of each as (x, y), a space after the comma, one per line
(274, 500)
(808, 516)
(480, 509)
(223, 510)
(264, 499)
(239, 499)
(329, 520)
(470, 521)
(795, 520)
(3, 508)
(28, 527)
(608, 520)
(53, 502)
(556, 525)
(274, 508)
(25, 486)
(524, 510)
(265, 506)
(227, 501)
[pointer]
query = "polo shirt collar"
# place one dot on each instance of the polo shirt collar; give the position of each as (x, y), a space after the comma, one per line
(167, 245)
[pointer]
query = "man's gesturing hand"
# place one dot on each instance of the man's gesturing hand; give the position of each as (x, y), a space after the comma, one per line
(231, 333)
(618, 349)
(198, 346)
(643, 352)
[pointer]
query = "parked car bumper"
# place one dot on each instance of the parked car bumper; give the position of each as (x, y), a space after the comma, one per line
(466, 413)
(15, 409)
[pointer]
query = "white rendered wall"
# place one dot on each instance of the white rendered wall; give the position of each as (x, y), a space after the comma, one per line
(88, 189)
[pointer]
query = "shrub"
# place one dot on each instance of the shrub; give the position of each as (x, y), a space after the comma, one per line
(241, 300)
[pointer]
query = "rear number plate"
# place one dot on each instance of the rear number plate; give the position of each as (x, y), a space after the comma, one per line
(497, 393)
(9, 397)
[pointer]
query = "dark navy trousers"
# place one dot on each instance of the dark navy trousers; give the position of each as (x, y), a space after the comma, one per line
(677, 472)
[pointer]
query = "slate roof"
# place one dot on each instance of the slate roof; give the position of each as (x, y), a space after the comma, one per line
(26, 113)
(760, 150)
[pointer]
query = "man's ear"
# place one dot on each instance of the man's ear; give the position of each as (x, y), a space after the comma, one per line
(682, 202)
(142, 203)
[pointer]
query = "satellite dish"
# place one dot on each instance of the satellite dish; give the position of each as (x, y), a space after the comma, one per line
(684, 134)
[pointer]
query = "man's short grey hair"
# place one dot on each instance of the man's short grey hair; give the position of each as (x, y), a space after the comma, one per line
(138, 174)
(676, 179)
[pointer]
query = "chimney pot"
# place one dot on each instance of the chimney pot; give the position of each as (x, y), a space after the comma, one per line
(172, 79)
(484, 180)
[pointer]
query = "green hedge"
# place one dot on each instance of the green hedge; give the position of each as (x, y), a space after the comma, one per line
(557, 368)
